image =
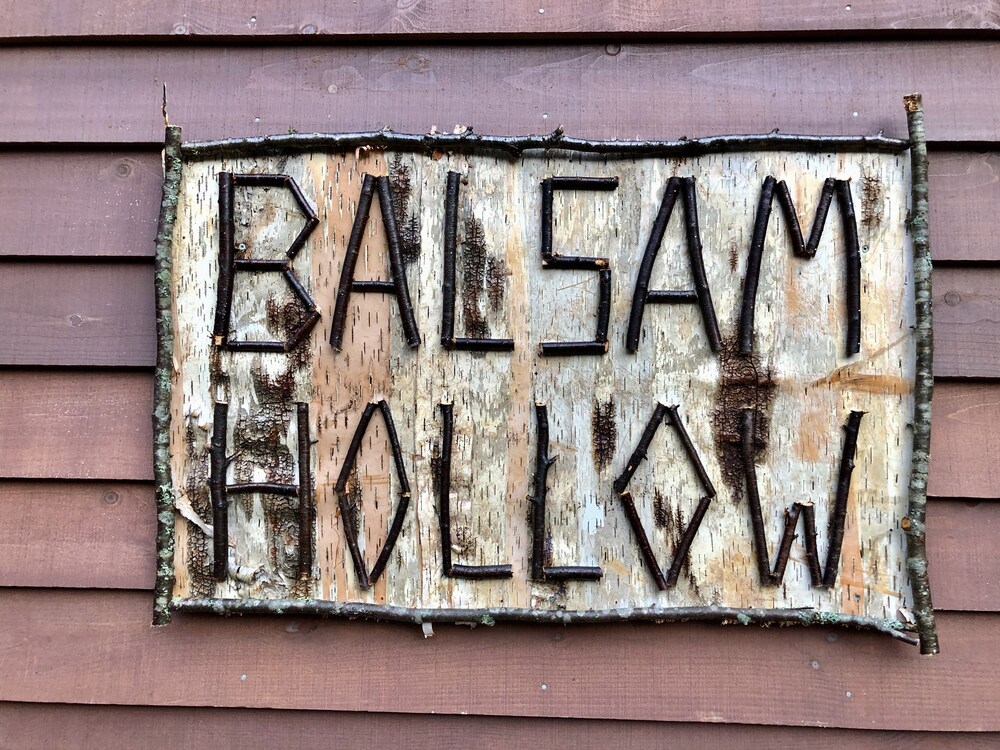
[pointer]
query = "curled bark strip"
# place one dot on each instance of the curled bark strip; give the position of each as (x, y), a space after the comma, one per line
(406, 315)
(217, 489)
(224, 300)
(791, 218)
(307, 503)
(366, 579)
(642, 540)
(839, 516)
(640, 450)
(572, 573)
(752, 278)
(450, 253)
(542, 465)
(698, 265)
(825, 198)
(916, 560)
(684, 546)
(539, 570)
(812, 554)
(642, 294)
(553, 261)
(747, 429)
(852, 259)
(448, 294)
(268, 488)
(345, 286)
(677, 423)
(787, 537)
(444, 510)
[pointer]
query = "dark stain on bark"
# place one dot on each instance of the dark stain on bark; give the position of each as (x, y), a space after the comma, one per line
(872, 200)
(743, 384)
(284, 319)
(496, 282)
(603, 432)
(401, 188)
(473, 257)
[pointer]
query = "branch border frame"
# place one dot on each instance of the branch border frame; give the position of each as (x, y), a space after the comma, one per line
(923, 633)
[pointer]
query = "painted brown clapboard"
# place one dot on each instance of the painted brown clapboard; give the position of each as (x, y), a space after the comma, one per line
(379, 352)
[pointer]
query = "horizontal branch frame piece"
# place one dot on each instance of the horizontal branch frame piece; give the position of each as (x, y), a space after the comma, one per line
(515, 146)
(723, 615)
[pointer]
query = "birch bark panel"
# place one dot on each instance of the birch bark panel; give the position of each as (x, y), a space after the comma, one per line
(597, 405)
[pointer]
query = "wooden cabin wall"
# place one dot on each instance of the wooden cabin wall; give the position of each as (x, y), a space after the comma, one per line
(80, 126)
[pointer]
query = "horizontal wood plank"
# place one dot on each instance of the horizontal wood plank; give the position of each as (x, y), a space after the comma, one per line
(964, 192)
(77, 535)
(105, 203)
(961, 555)
(80, 646)
(83, 19)
(630, 90)
(101, 314)
(79, 314)
(79, 204)
(967, 322)
(965, 441)
(64, 425)
(37, 726)
(102, 535)
(92, 425)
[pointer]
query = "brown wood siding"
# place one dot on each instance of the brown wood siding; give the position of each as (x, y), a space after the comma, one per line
(79, 192)
(65, 643)
(27, 726)
(101, 314)
(454, 18)
(95, 425)
(100, 202)
(98, 535)
(645, 90)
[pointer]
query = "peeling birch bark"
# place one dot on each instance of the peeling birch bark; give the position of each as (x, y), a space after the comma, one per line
(793, 375)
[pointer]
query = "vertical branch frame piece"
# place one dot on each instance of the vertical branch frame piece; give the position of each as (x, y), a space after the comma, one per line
(913, 523)
(162, 383)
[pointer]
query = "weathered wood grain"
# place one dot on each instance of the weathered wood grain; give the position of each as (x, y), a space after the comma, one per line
(77, 535)
(635, 90)
(79, 314)
(965, 441)
(964, 191)
(84, 19)
(961, 553)
(58, 425)
(967, 322)
(100, 535)
(34, 726)
(62, 645)
(107, 203)
(76, 425)
(79, 204)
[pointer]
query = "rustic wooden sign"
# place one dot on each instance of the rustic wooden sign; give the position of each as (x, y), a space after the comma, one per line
(462, 378)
